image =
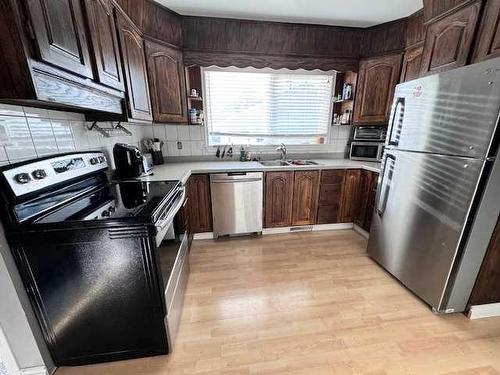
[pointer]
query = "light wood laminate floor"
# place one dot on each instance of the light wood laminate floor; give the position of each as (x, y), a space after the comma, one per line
(309, 303)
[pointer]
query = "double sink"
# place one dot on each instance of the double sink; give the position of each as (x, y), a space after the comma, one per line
(286, 163)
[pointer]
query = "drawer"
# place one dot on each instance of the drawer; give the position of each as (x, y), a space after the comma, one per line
(334, 176)
(175, 313)
(330, 194)
(328, 214)
(175, 274)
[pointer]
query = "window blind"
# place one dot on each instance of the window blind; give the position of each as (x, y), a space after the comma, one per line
(267, 107)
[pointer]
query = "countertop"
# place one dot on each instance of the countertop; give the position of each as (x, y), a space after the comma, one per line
(182, 170)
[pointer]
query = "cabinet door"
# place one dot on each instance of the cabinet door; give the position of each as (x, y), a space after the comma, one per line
(59, 32)
(370, 207)
(377, 79)
(330, 196)
(134, 66)
(487, 290)
(105, 43)
(278, 200)
(200, 207)
(167, 83)
(448, 40)
(364, 191)
(412, 60)
(305, 197)
(350, 196)
(134, 10)
(488, 40)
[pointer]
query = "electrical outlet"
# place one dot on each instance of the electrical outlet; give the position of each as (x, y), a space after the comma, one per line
(179, 145)
(4, 136)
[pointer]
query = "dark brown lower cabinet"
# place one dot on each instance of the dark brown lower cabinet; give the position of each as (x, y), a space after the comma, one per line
(350, 196)
(330, 196)
(199, 203)
(278, 199)
(487, 287)
(314, 197)
(366, 201)
(305, 197)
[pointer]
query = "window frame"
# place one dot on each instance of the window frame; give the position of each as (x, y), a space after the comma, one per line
(333, 73)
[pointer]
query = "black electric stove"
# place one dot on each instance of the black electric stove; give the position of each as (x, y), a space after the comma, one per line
(89, 253)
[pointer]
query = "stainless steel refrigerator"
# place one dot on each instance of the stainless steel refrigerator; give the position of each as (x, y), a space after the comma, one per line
(438, 195)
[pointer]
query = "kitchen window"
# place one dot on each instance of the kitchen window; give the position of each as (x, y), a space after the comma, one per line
(267, 107)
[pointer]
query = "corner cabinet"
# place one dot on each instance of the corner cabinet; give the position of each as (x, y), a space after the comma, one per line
(278, 199)
(167, 82)
(305, 197)
(488, 39)
(377, 79)
(448, 39)
(134, 66)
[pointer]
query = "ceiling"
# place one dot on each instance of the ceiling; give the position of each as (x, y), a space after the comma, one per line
(359, 13)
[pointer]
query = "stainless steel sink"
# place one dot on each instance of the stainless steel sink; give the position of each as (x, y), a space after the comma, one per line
(283, 163)
(302, 162)
(274, 163)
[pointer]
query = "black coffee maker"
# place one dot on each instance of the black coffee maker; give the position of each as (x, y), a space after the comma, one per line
(128, 161)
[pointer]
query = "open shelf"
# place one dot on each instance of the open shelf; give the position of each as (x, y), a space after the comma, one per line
(342, 105)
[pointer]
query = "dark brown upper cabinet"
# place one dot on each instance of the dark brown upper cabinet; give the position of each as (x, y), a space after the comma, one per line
(305, 197)
(412, 60)
(134, 10)
(488, 38)
(449, 39)
(134, 66)
(167, 82)
(105, 43)
(59, 34)
(377, 79)
(278, 199)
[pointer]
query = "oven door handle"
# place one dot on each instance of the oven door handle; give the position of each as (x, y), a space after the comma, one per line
(164, 223)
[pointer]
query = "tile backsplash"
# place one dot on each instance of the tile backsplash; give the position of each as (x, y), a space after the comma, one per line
(36, 132)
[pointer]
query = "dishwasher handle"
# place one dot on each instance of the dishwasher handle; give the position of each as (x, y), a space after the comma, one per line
(236, 177)
(236, 181)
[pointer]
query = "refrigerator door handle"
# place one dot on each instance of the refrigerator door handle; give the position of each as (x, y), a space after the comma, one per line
(396, 122)
(385, 183)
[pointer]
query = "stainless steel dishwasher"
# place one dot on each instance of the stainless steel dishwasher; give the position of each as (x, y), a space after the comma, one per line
(236, 202)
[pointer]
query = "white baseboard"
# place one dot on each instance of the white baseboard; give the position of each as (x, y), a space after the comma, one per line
(38, 370)
(361, 231)
(307, 228)
(302, 228)
(484, 311)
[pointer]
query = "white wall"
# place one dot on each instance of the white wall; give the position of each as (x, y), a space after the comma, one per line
(38, 132)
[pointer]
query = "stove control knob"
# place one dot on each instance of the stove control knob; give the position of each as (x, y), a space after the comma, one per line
(105, 213)
(94, 161)
(111, 209)
(39, 174)
(102, 159)
(22, 178)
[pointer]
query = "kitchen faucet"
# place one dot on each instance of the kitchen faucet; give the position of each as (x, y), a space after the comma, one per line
(282, 149)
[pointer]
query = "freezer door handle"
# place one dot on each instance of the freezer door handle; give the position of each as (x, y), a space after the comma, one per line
(396, 122)
(385, 183)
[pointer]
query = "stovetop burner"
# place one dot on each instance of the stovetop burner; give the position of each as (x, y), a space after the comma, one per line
(127, 199)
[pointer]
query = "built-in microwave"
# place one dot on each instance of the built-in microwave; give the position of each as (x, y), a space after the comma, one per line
(367, 151)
